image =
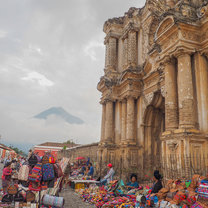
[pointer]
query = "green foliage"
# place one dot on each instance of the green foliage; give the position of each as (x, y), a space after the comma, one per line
(17, 150)
(69, 142)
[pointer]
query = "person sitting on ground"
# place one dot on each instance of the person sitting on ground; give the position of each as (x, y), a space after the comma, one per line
(157, 185)
(133, 184)
(6, 176)
(91, 170)
(109, 176)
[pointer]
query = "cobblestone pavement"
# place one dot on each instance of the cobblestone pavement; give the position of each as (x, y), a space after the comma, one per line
(72, 200)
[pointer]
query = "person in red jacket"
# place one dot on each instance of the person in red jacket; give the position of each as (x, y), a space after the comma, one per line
(6, 176)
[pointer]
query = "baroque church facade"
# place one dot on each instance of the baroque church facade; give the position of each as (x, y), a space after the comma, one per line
(155, 87)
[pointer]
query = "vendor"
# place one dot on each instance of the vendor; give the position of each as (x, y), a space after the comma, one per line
(133, 184)
(157, 185)
(91, 170)
(6, 176)
(109, 176)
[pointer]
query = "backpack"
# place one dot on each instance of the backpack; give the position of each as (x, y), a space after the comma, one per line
(23, 173)
(36, 174)
(57, 170)
(33, 160)
(48, 172)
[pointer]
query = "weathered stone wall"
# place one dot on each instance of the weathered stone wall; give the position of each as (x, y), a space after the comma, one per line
(86, 151)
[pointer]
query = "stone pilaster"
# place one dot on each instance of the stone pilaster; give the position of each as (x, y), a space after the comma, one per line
(185, 92)
(132, 49)
(103, 123)
(123, 121)
(130, 125)
(109, 122)
(125, 53)
(111, 54)
(201, 71)
(171, 99)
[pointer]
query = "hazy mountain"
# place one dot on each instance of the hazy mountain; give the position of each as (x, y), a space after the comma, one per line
(61, 113)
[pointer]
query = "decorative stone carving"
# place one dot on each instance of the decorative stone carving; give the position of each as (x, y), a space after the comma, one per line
(132, 49)
(173, 146)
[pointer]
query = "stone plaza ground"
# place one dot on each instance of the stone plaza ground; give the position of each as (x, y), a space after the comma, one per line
(72, 200)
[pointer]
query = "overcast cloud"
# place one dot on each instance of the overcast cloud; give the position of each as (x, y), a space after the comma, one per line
(52, 54)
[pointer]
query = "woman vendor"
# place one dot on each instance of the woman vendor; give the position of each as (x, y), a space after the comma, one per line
(6, 176)
(157, 185)
(133, 184)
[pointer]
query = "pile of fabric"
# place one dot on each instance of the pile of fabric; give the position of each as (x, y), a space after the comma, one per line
(175, 194)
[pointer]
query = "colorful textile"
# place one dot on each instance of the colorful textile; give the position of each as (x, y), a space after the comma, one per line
(48, 172)
(23, 173)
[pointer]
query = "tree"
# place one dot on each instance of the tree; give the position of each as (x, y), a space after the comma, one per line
(69, 142)
(17, 150)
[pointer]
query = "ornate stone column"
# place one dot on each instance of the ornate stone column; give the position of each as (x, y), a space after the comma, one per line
(123, 121)
(132, 48)
(111, 53)
(109, 122)
(201, 71)
(171, 99)
(103, 122)
(185, 92)
(130, 125)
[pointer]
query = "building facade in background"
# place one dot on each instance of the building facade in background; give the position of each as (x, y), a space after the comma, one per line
(52, 147)
(155, 89)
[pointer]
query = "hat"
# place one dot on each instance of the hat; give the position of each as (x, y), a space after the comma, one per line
(110, 165)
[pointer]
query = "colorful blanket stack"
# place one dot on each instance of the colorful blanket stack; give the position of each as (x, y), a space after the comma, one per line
(203, 189)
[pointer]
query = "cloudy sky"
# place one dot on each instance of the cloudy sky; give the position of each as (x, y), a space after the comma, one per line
(52, 54)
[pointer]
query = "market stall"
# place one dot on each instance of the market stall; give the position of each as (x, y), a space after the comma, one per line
(175, 194)
(35, 184)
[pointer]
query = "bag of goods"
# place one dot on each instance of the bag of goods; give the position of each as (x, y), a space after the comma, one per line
(33, 160)
(7, 198)
(19, 197)
(12, 189)
(36, 174)
(35, 186)
(23, 173)
(53, 201)
(48, 172)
